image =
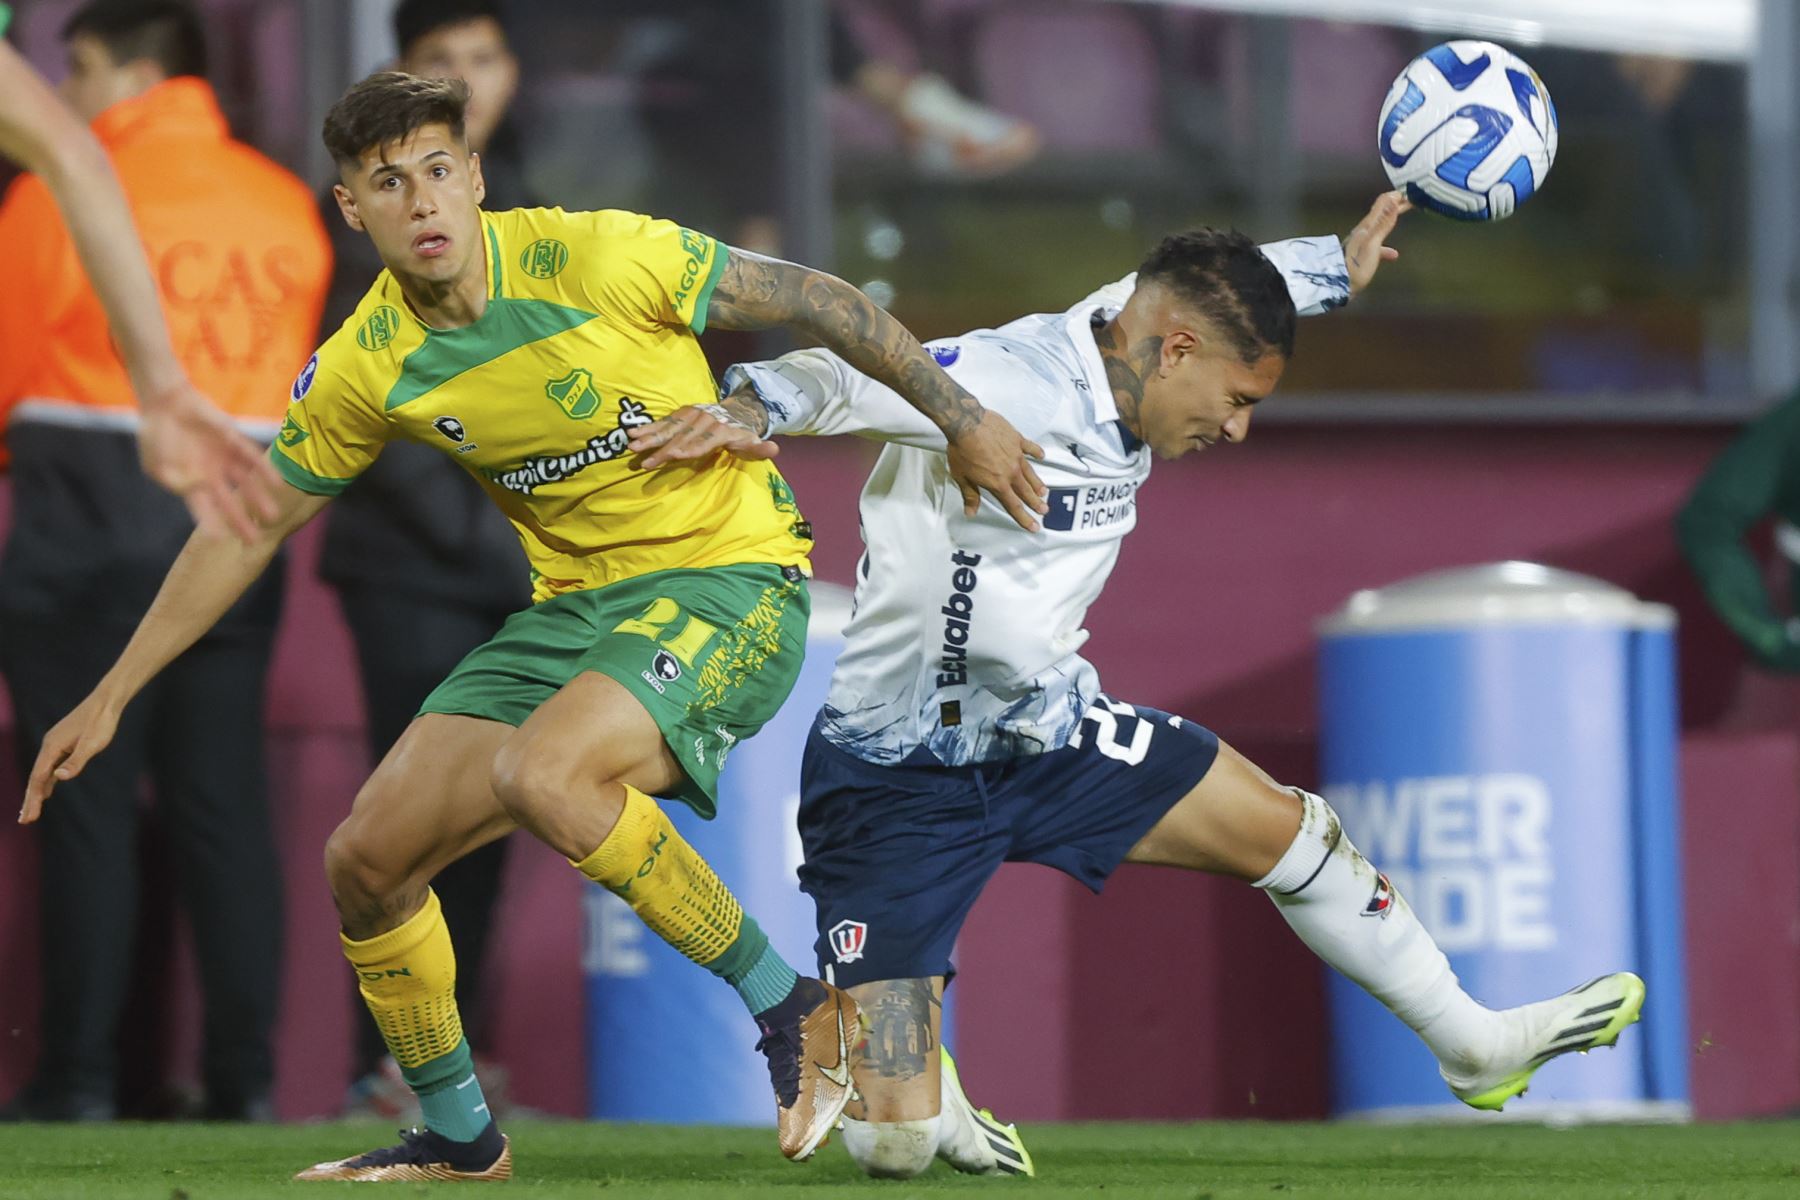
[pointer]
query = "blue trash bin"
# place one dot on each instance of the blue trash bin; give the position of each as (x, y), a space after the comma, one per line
(667, 1041)
(1500, 740)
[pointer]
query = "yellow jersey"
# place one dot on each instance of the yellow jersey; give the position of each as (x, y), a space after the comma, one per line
(590, 329)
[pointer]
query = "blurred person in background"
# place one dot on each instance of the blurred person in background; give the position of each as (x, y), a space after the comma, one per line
(724, 59)
(442, 39)
(1668, 133)
(185, 443)
(945, 132)
(425, 566)
(1756, 477)
(242, 261)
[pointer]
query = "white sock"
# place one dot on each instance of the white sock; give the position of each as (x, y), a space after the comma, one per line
(892, 1149)
(1351, 917)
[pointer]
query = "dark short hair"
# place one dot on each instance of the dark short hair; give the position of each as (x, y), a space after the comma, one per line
(413, 19)
(167, 32)
(389, 106)
(1232, 283)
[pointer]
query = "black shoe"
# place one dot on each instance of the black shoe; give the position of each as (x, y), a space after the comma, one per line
(424, 1157)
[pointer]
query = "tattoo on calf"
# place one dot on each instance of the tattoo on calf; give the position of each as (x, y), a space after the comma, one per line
(901, 1019)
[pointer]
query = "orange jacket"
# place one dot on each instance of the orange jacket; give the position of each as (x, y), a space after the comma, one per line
(236, 248)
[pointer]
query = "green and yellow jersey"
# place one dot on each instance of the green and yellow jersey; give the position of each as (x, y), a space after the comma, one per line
(590, 329)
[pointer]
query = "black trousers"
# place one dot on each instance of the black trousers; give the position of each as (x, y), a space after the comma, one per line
(405, 646)
(197, 733)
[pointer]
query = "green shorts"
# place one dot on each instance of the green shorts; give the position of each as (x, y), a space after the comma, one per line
(711, 653)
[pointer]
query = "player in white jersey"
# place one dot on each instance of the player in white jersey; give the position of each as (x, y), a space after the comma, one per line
(963, 729)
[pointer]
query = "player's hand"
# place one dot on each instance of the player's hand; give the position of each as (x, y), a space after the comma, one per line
(699, 431)
(994, 457)
(192, 449)
(66, 750)
(1366, 248)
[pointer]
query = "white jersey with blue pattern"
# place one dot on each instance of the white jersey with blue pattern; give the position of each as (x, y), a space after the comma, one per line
(965, 636)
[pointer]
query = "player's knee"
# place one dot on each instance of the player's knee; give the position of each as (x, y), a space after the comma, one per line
(527, 778)
(354, 869)
(345, 865)
(892, 1149)
(1320, 836)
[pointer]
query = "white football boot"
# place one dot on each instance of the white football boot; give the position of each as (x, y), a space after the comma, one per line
(1591, 1015)
(971, 1139)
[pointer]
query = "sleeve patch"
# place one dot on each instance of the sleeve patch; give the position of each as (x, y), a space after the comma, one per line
(303, 382)
(292, 432)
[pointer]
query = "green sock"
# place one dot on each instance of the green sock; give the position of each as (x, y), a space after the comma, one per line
(761, 977)
(450, 1095)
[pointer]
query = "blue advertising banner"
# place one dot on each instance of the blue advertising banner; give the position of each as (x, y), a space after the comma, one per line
(1516, 782)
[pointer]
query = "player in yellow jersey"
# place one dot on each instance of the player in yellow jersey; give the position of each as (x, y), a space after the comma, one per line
(671, 604)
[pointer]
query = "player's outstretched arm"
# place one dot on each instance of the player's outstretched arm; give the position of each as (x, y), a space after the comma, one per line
(186, 444)
(47, 139)
(986, 453)
(805, 392)
(1322, 273)
(1365, 247)
(211, 572)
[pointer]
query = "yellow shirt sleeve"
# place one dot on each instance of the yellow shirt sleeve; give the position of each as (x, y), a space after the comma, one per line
(332, 432)
(652, 272)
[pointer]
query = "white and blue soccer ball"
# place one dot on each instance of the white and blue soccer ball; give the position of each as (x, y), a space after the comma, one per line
(1468, 130)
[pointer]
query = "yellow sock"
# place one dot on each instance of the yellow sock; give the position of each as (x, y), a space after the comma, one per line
(407, 977)
(646, 862)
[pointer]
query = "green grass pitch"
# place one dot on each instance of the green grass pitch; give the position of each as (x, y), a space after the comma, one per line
(1218, 1160)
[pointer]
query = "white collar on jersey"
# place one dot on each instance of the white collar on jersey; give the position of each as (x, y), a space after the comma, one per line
(1080, 329)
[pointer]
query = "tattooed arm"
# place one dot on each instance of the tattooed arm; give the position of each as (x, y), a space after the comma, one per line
(814, 392)
(758, 293)
(986, 453)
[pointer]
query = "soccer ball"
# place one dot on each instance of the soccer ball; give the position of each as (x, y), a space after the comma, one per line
(1468, 130)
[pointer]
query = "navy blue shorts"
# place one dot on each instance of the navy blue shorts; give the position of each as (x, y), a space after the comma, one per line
(896, 856)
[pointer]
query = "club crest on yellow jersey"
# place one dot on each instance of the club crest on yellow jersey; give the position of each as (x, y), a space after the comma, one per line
(380, 328)
(574, 393)
(544, 258)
